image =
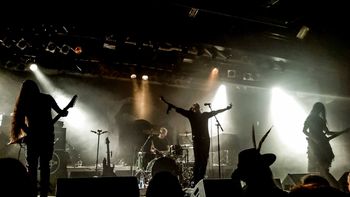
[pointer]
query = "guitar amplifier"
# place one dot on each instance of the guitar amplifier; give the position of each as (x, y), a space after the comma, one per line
(60, 139)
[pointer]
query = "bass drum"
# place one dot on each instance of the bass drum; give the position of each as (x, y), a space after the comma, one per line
(58, 163)
(162, 164)
(55, 163)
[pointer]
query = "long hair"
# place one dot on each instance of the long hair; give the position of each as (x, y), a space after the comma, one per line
(28, 93)
(319, 109)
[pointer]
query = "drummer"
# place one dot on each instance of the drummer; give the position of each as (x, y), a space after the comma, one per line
(159, 143)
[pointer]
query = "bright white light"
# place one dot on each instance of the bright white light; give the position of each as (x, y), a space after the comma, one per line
(133, 76)
(145, 77)
(76, 118)
(219, 102)
(33, 67)
(288, 119)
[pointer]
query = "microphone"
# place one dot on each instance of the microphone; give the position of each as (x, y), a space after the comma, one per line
(168, 110)
(207, 104)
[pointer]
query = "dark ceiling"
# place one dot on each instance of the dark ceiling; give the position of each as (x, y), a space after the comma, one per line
(184, 39)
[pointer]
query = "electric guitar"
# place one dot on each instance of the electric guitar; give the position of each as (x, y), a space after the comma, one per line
(330, 137)
(338, 133)
(107, 168)
(22, 139)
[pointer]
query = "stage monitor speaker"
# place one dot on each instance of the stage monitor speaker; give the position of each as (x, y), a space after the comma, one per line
(292, 180)
(217, 187)
(58, 168)
(343, 182)
(99, 186)
(278, 183)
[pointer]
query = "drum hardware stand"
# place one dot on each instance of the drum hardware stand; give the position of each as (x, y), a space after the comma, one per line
(218, 126)
(141, 171)
(99, 133)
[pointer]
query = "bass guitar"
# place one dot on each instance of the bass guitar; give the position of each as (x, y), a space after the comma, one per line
(71, 103)
(329, 138)
(338, 133)
(107, 168)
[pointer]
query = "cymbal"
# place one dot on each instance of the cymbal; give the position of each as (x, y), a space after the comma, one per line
(150, 131)
(186, 145)
(146, 127)
(185, 134)
(142, 124)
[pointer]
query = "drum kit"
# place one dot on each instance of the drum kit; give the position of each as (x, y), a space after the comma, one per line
(175, 161)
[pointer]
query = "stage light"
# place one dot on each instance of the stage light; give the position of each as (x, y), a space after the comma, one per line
(145, 77)
(248, 76)
(22, 44)
(231, 74)
(133, 76)
(303, 32)
(51, 47)
(215, 70)
(7, 42)
(193, 12)
(78, 50)
(65, 49)
(33, 67)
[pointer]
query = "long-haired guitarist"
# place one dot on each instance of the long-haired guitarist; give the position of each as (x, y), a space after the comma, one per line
(32, 118)
(320, 153)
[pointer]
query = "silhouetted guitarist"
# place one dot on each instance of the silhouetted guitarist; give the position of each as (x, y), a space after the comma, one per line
(320, 153)
(32, 115)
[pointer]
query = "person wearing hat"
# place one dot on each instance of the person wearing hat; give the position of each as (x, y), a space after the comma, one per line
(253, 169)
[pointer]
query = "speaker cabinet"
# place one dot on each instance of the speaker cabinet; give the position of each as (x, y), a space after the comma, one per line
(99, 186)
(58, 168)
(217, 187)
(60, 138)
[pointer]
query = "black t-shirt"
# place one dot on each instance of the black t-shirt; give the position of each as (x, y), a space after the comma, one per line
(160, 144)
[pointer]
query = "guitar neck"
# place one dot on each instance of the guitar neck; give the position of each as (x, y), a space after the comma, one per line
(108, 152)
(70, 104)
(337, 134)
(108, 156)
(57, 117)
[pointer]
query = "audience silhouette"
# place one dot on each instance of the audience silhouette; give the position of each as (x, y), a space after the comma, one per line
(312, 185)
(15, 179)
(253, 169)
(164, 183)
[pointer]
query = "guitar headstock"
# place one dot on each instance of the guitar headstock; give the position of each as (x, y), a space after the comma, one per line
(72, 102)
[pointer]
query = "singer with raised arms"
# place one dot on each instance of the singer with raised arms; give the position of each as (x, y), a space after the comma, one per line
(200, 135)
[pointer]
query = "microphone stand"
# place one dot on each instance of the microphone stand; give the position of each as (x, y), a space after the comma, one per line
(142, 153)
(99, 133)
(218, 125)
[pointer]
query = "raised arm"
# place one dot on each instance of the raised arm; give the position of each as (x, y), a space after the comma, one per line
(221, 110)
(170, 106)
